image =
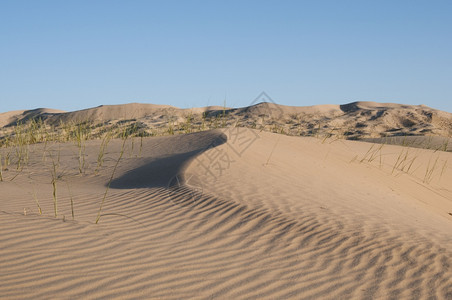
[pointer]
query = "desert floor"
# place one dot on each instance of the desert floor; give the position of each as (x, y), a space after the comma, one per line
(228, 214)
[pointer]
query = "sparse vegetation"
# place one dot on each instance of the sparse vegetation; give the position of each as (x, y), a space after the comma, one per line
(443, 169)
(72, 200)
(404, 162)
(17, 145)
(37, 201)
(373, 152)
(431, 166)
(111, 179)
(103, 147)
(54, 186)
(81, 134)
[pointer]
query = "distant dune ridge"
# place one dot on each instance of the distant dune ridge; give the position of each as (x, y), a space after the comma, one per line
(357, 120)
(236, 212)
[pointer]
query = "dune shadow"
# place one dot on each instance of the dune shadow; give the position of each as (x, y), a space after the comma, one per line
(349, 107)
(160, 171)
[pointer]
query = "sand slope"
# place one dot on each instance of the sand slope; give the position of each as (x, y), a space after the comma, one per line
(13, 117)
(230, 214)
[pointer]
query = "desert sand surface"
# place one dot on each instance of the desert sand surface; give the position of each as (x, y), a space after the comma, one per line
(227, 213)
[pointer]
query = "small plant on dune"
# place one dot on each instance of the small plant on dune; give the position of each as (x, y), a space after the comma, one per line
(372, 153)
(328, 135)
(132, 131)
(111, 177)
(37, 201)
(34, 131)
(403, 162)
(45, 148)
(430, 169)
(80, 140)
(55, 177)
(367, 153)
(380, 156)
(54, 186)
(21, 145)
(7, 159)
(398, 161)
(103, 146)
(72, 200)
(443, 169)
(64, 133)
(409, 165)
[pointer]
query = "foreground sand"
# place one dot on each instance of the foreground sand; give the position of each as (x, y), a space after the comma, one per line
(230, 214)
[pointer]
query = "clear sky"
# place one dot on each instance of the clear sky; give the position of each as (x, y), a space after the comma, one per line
(77, 54)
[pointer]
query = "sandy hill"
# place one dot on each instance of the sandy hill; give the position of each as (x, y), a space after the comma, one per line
(13, 117)
(233, 213)
(357, 120)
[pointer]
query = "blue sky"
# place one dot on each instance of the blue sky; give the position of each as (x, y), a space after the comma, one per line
(77, 54)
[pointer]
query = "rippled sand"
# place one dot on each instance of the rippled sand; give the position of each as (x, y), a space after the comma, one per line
(229, 214)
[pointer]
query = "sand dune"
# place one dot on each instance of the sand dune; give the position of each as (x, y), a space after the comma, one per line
(13, 117)
(356, 121)
(234, 213)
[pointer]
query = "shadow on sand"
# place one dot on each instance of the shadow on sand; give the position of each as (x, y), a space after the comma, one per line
(165, 166)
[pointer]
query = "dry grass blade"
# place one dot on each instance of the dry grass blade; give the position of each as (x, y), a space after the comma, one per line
(54, 186)
(111, 179)
(37, 201)
(443, 169)
(367, 153)
(273, 149)
(103, 146)
(72, 200)
(398, 162)
(80, 137)
(1, 168)
(430, 169)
